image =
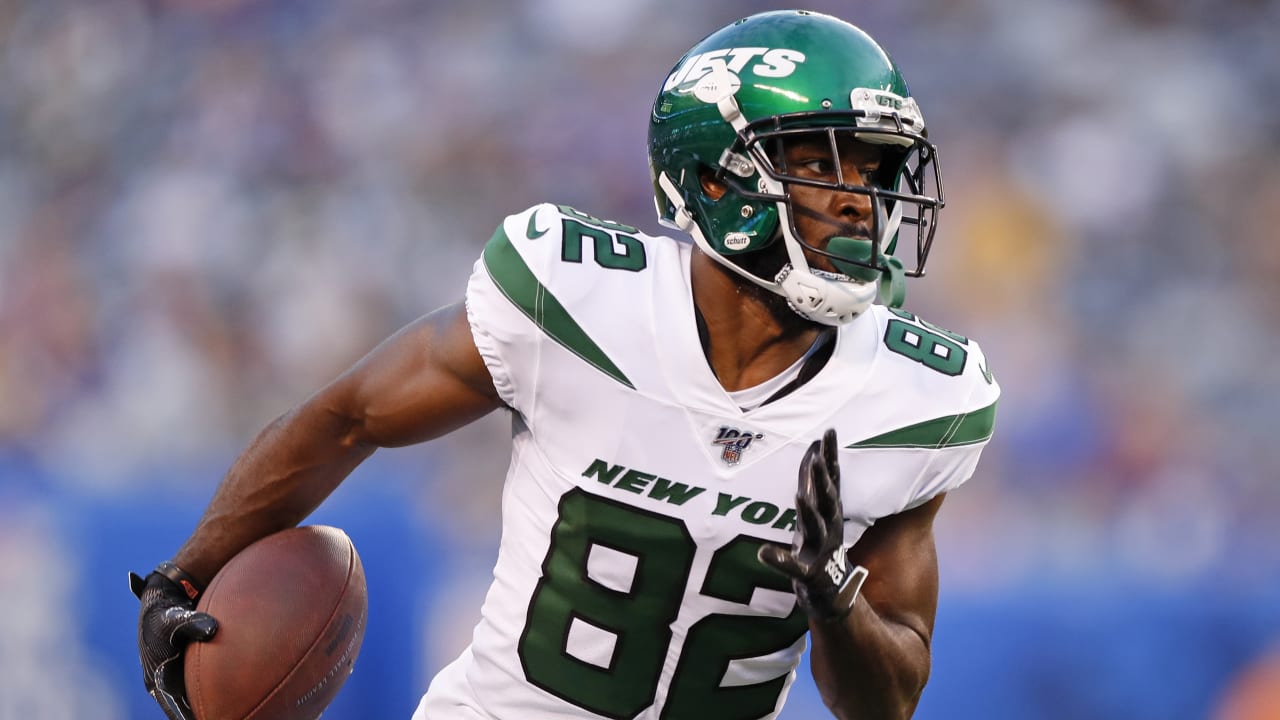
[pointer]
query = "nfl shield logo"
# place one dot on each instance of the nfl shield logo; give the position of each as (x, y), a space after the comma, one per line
(733, 443)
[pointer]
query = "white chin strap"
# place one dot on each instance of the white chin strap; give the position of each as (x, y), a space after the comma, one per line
(824, 298)
(829, 301)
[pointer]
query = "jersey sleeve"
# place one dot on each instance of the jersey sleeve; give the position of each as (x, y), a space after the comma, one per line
(958, 439)
(508, 341)
(543, 304)
(935, 416)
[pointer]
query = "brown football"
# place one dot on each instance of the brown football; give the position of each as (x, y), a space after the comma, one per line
(291, 617)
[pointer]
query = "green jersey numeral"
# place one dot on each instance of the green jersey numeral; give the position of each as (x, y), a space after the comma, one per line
(713, 641)
(639, 617)
(613, 251)
(615, 246)
(926, 343)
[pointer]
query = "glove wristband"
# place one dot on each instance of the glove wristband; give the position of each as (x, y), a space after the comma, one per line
(846, 583)
(847, 594)
(190, 586)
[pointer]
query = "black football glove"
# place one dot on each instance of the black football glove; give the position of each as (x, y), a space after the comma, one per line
(817, 561)
(167, 623)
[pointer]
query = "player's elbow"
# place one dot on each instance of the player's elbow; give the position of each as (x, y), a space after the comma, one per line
(913, 684)
(900, 678)
(330, 422)
(896, 701)
(912, 676)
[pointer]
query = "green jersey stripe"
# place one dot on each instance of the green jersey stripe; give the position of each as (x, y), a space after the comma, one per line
(514, 278)
(949, 431)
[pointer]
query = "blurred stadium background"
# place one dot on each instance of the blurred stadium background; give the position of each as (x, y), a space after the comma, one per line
(209, 207)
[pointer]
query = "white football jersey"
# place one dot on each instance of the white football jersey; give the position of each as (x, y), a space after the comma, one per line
(627, 584)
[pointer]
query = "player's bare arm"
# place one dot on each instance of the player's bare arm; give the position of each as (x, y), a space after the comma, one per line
(422, 382)
(874, 662)
(871, 606)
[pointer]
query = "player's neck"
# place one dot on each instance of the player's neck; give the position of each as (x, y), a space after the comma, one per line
(750, 334)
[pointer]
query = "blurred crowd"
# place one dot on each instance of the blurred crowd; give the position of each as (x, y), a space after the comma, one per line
(210, 207)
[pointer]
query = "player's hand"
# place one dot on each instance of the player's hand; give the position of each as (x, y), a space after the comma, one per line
(817, 560)
(167, 623)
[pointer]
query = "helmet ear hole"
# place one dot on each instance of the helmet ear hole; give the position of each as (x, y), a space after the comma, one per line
(712, 187)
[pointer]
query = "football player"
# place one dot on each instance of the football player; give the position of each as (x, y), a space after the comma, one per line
(722, 449)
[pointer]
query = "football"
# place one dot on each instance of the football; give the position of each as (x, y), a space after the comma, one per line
(291, 618)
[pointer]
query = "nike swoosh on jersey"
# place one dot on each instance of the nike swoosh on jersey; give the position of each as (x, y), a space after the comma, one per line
(532, 232)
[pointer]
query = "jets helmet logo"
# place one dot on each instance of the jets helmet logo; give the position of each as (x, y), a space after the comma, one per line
(733, 443)
(761, 62)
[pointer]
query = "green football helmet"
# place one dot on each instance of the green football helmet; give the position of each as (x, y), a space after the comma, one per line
(736, 98)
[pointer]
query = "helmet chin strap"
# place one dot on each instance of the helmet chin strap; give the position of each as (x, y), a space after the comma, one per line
(817, 295)
(825, 300)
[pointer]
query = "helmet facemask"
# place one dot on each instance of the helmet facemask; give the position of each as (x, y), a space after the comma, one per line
(905, 190)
